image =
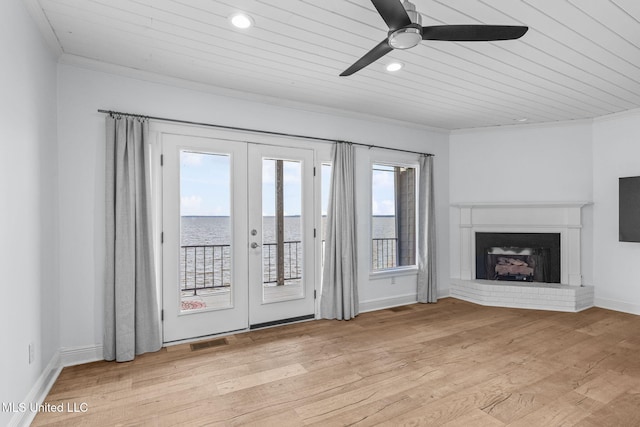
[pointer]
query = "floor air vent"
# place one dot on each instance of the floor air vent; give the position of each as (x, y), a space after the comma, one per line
(208, 344)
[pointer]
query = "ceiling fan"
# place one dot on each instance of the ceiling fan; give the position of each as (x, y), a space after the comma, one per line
(406, 31)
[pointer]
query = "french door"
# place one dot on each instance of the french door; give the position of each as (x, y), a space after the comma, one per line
(281, 237)
(238, 231)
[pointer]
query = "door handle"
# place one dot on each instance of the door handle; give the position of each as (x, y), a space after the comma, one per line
(254, 245)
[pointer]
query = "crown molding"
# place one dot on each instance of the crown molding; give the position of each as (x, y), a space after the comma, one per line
(148, 76)
(35, 10)
(615, 116)
(524, 126)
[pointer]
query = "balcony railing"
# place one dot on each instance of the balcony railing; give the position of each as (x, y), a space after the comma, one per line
(292, 261)
(208, 267)
(205, 267)
(383, 253)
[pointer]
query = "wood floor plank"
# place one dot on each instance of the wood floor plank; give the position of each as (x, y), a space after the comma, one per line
(568, 410)
(475, 417)
(607, 386)
(330, 407)
(259, 378)
(453, 363)
(371, 414)
(622, 411)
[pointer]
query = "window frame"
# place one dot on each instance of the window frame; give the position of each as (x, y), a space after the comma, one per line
(393, 159)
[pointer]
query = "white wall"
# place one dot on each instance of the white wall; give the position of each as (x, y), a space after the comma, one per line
(81, 163)
(616, 154)
(28, 214)
(526, 163)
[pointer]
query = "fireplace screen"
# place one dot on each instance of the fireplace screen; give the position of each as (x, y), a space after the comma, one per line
(522, 257)
(517, 264)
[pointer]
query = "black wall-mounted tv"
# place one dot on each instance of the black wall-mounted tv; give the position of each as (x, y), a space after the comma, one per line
(629, 209)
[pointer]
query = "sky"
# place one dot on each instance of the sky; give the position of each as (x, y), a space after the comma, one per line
(382, 191)
(204, 187)
(204, 184)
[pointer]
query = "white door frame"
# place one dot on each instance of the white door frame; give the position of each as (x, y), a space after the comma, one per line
(157, 128)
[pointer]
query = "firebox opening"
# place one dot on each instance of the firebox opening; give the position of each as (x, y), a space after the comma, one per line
(520, 257)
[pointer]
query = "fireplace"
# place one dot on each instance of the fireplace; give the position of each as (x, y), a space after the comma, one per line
(518, 257)
(522, 255)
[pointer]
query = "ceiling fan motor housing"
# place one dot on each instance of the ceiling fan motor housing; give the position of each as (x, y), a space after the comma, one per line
(411, 35)
(414, 16)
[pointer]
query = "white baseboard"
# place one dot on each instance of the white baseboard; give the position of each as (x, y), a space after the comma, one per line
(38, 393)
(395, 301)
(71, 356)
(444, 293)
(610, 304)
(382, 303)
(40, 390)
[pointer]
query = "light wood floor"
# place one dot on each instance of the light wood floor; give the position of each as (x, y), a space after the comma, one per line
(451, 363)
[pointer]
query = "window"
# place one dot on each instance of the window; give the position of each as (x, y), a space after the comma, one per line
(393, 216)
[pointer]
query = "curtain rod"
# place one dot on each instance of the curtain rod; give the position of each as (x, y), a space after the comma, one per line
(267, 132)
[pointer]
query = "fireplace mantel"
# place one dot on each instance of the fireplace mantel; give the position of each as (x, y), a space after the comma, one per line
(521, 204)
(564, 218)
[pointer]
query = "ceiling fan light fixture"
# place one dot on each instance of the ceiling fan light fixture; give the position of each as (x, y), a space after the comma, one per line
(241, 20)
(405, 38)
(393, 67)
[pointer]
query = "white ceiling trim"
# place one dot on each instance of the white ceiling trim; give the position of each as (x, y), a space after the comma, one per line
(146, 76)
(615, 116)
(39, 17)
(548, 125)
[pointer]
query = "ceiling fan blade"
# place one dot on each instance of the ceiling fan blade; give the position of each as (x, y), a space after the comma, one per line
(473, 33)
(373, 55)
(393, 13)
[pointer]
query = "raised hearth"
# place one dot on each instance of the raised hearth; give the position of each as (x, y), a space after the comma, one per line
(533, 261)
(532, 295)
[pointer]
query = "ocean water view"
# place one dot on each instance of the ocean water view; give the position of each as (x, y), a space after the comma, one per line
(216, 230)
(205, 255)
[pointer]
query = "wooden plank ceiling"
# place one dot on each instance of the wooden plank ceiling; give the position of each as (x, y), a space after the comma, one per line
(580, 58)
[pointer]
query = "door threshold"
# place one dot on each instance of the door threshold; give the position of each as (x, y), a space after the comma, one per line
(282, 321)
(240, 331)
(203, 337)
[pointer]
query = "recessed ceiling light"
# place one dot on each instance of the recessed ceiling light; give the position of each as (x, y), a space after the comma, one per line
(522, 120)
(241, 20)
(392, 67)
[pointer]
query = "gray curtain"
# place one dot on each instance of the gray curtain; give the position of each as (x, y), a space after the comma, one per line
(131, 306)
(339, 277)
(427, 289)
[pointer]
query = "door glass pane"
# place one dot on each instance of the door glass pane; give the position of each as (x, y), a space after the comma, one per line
(282, 230)
(325, 172)
(205, 231)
